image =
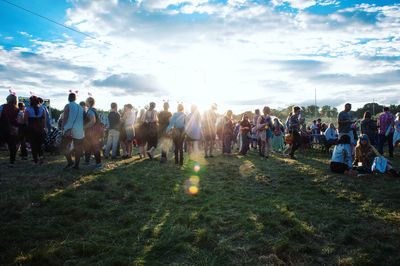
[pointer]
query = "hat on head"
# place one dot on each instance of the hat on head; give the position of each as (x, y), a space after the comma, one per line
(364, 137)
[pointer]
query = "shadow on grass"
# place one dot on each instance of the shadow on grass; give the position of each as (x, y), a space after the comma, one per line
(247, 211)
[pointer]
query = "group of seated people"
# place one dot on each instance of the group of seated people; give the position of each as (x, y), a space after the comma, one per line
(367, 160)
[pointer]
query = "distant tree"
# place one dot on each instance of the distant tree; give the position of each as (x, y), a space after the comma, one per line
(312, 110)
(334, 112)
(373, 108)
(326, 111)
(55, 113)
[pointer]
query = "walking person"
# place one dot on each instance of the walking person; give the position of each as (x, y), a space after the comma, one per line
(35, 118)
(22, 131)
(277, 136)
(345, 120)
(245, 128)
(73, 133)
(369, 128)
(255, 142)
(396, 135)
(227, 133)
(114, 120)
(128, 121)
(140, 136)
(176, 128)
(294, 130)
(9, 126)
(264, 125)
(163, 122)
(386, 130)
(93, 134)
(150, 122)
(209, 130)
(193, 130)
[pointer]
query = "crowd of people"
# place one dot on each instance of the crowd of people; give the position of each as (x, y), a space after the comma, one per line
(358, 144)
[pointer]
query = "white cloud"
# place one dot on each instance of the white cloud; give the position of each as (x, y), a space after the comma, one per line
(221, 53)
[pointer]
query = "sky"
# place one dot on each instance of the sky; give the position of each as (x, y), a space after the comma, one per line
(240, 54)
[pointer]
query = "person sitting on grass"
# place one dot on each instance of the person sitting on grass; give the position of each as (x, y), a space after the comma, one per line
(341, 161)
(331, 136)
(365, 156)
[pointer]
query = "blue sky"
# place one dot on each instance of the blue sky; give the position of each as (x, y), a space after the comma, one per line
(242, 54)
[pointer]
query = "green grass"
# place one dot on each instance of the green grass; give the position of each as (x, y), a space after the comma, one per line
(247, 212)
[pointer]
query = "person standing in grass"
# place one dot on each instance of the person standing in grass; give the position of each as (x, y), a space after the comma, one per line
(255, 142)
(73, 133)
(396, 134)
(150, 122)
(140, 136)
(245, 128)
(277, 136)
(35, 118)
(386, 130)
(369, 127)
(264, 125)
(345, 120)
(128, 121)
(163, 122)
(227, 133)
(22, 131)
(9, 126)
(193, 130)
(176, 128)
(209, 129)
(294, 130)
(114, 120)
(92, 136)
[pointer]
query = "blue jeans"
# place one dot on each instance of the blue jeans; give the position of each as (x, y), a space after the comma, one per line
(112, 142)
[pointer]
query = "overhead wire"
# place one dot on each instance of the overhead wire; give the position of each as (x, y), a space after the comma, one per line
(53, 21)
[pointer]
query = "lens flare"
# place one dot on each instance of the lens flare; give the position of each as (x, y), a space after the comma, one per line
(194, 180)
(197, 168)
(193, 190)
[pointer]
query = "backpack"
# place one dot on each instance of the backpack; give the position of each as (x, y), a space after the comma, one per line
(379, 165)
(97, 130)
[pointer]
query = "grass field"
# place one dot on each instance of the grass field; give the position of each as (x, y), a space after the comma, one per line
(247, 212)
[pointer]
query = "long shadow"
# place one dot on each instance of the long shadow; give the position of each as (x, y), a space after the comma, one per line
(79, 218)
(325, 211)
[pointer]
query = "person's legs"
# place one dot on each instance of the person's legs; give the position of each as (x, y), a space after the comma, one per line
(96, 150)
(267, 146)
(115, 142)
(109, 143)
(227, 144)
(206, 145)
(296, 143)
(78, 144)
(65, 145)
(176, 148)
(381, 143)
(88, 149)
(180, 148)
(34, 148)
(244, 144)
(40, 148)
(390, 144)
(12, 147)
